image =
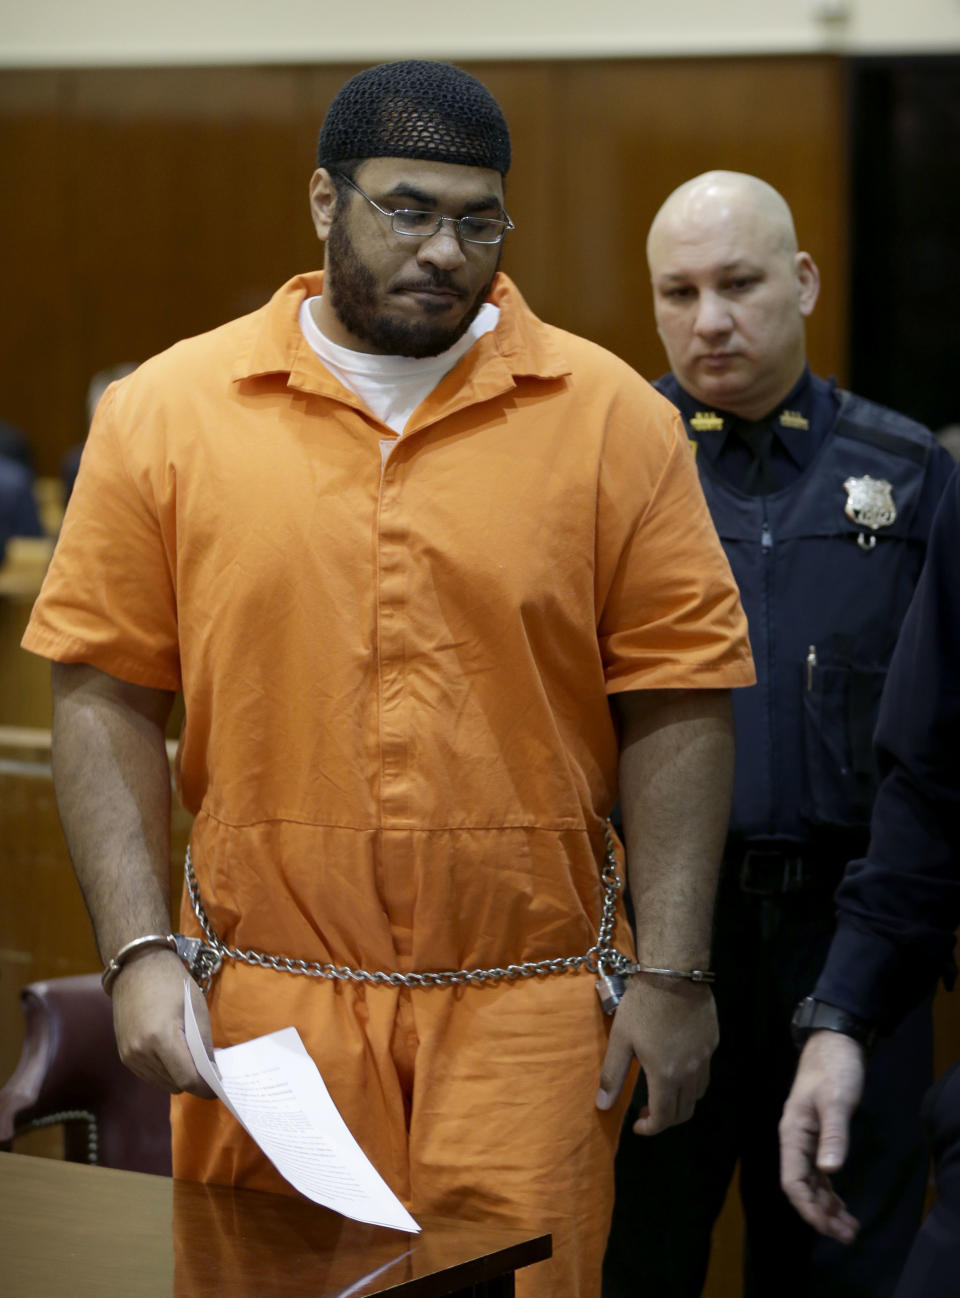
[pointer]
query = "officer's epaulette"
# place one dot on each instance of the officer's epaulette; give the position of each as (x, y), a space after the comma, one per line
(864, 421)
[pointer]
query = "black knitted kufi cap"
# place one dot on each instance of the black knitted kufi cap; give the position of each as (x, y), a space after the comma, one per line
(415, 109)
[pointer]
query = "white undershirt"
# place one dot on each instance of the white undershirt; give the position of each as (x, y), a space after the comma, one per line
(391, 387)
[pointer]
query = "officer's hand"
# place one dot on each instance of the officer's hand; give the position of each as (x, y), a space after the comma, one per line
(670, 1026)
(814, 1131)
(148, 1022)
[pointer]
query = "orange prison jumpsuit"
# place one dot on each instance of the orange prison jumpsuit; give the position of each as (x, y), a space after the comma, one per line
(398, 744)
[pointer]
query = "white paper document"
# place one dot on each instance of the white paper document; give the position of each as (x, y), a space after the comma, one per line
(274, 1089)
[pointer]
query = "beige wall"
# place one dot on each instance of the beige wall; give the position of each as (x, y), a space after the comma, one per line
(61, 33)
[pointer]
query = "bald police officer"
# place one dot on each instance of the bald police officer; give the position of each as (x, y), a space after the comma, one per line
(823, 502)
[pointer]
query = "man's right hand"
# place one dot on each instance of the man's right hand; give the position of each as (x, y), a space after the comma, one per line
(815, 1130)
(148, 1022)
(670, 1026)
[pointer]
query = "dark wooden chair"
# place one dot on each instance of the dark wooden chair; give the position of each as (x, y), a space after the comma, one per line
(70, 1073)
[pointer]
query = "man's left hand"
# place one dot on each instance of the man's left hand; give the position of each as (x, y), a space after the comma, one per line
(670, 1026)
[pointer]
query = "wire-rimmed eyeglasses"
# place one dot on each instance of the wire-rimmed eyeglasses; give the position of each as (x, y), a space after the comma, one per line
(423, 225)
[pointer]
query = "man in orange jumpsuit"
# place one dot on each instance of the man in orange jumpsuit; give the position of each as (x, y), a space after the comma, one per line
(401, 545)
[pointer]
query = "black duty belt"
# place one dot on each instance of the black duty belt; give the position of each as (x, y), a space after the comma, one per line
(779, 872)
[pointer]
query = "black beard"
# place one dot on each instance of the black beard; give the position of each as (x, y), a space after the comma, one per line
(353, 295)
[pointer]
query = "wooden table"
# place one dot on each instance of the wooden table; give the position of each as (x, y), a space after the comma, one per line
(71, 1230)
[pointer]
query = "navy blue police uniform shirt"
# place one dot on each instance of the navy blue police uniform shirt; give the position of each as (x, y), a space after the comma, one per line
(824, 595)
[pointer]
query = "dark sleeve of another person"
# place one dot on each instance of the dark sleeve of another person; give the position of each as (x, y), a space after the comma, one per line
(899, 908)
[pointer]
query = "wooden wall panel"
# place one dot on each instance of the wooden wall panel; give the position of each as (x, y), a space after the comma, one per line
(154, 203)
(39, 358)
(633, 132)
(193, 202)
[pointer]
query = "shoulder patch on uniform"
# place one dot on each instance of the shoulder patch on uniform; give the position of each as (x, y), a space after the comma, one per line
(861, 420)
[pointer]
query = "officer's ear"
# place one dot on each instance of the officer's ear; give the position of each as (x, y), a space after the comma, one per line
(808, 281)
(323, 201)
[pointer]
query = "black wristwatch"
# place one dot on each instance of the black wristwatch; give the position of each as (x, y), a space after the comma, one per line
(812, 1015)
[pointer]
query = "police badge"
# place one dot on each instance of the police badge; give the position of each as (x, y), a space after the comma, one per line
(870, 502)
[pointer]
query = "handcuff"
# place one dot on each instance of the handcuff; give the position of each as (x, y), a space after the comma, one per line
(201, 961)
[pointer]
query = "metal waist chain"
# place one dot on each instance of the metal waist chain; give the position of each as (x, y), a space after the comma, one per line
(599, 959)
